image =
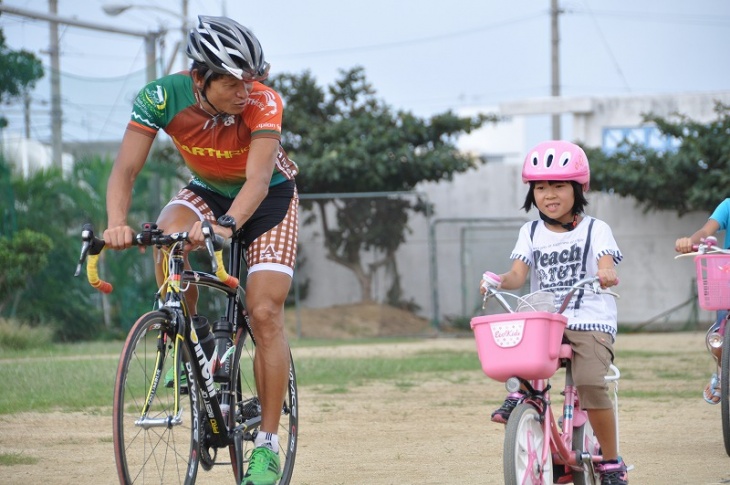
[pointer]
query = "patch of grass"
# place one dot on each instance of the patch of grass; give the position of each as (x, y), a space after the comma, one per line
(50, 383)
(336, 390)
(345, 372)
(16, 336)
(405, 385)
(10, 459)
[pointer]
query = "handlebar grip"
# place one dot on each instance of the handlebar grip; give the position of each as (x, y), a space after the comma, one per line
(221, 272)
(491, 279)
(92, 274)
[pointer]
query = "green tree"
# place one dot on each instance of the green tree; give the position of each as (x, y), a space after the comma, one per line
(57, 207)
(694, 177)
(22, 256)
(19, 70)
(347, 140)
(48, 204)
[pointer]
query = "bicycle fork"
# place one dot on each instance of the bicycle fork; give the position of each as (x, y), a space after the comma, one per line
(714, 337)
(174, 418)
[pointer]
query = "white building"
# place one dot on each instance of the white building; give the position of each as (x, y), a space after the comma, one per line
(652, 281)
(28, 155)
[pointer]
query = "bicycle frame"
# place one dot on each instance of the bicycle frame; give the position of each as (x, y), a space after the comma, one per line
(560, 442)
(218, 407)
(557, 445)
(175, 304)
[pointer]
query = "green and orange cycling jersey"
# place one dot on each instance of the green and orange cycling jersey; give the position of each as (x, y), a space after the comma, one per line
(215, 149)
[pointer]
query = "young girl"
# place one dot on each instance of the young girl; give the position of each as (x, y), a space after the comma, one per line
(566, 245)
(719, 221)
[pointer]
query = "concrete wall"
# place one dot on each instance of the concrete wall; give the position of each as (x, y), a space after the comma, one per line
(477, 214)
(652, 281)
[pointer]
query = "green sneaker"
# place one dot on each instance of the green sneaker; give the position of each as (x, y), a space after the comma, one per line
(170, 377)
(263, 467)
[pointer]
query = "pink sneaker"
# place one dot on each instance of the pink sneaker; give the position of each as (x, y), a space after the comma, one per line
(501, 415)
(613, 473)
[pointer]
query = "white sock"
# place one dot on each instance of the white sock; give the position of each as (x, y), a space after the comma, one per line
(269, 440)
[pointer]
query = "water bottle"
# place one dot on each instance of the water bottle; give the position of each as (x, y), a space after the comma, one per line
(205, 337)
(222, 329)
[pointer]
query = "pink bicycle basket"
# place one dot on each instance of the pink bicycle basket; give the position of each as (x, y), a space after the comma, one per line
(523, 344)
(713, 281)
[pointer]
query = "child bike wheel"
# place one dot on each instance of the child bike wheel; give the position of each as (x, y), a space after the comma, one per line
(584, 440)
(725, 387)
(248, 410)
(157, 446)
(523, 445)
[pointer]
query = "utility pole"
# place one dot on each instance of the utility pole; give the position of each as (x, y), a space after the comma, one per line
(56, 110)
(184, 37)
(555, 63)
(26, 114)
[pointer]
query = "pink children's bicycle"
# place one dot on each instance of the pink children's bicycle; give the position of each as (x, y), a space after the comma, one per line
(524, 350)
(713, 293)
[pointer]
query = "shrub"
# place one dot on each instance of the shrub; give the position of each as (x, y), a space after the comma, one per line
(21, 336)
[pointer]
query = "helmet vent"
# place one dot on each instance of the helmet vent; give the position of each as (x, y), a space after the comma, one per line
(549, 157)
(565, 159)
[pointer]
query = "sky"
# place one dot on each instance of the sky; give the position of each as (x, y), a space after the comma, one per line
(422, 56)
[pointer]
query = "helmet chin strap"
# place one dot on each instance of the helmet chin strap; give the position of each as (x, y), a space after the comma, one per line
(218, 113)
(553, 222)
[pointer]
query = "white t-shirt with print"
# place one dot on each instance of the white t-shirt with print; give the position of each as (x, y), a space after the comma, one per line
(559, 259)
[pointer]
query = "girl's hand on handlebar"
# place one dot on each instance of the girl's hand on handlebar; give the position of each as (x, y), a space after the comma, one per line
(684, 245)
(607, 277)
(489, 280)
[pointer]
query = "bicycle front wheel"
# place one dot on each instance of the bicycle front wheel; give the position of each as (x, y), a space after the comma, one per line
(725, 387)
(248, 412)
(523, 444)
(154, 443)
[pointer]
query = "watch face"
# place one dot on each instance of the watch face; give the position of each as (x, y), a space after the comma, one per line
(227, 221)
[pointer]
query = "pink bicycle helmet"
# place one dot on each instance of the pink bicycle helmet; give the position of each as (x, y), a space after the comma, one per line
(557, 160)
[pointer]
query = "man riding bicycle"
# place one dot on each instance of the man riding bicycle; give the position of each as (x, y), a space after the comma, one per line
(227, 127)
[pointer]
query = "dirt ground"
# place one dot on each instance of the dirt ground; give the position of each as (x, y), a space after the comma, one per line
(426, 429)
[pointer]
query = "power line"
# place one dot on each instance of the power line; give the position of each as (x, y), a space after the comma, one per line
(658, 17)
(415, 41)
(607, 46)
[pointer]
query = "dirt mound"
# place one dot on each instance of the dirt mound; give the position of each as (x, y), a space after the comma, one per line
(359, 320)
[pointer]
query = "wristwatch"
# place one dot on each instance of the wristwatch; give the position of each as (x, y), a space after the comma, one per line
(227, 220)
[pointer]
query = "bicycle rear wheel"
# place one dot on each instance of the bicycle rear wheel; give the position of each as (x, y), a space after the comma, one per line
(725, 387)
(248, 412)
(156, 446)
(523, 444)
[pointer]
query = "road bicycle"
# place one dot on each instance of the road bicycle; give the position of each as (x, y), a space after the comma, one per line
(524, 348)
(712, 264)
(175, 405)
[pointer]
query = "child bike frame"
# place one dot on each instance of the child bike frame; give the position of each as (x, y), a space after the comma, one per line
(537, 448)
(159, 436)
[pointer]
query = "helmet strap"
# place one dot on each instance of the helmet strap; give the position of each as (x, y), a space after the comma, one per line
(219, 115)
(553, 222)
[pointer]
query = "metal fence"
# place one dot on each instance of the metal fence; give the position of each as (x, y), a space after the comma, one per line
(434, 272)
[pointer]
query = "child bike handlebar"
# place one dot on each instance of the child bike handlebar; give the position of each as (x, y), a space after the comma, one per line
(493, 291)
(151, 235)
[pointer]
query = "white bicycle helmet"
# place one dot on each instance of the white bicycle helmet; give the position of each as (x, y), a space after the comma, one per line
(227, 47)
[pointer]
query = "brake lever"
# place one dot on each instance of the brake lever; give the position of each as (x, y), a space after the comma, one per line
(208, 232)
